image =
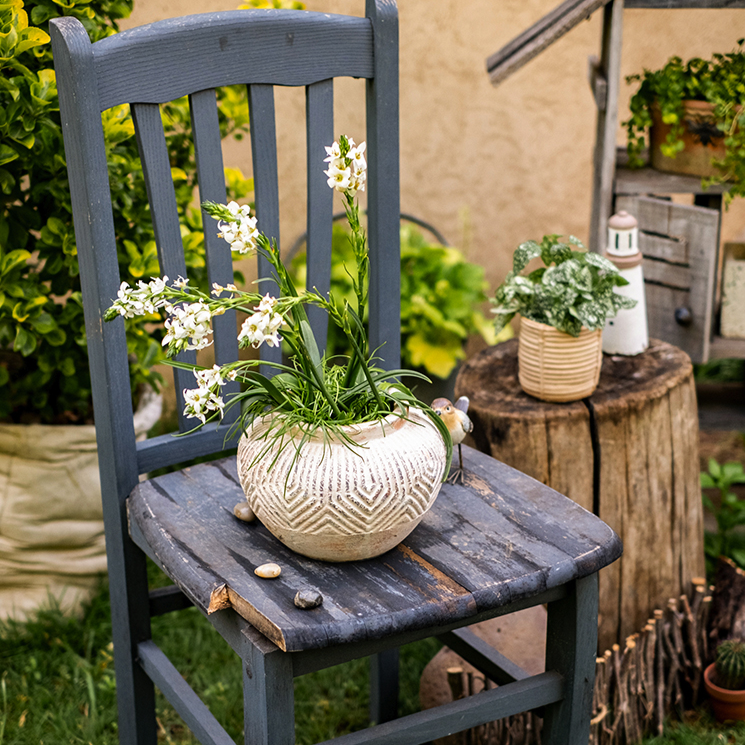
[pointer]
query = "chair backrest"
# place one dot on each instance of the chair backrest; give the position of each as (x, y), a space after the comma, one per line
(153, 64)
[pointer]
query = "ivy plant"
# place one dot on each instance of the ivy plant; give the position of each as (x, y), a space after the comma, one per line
(440, 297)
(573, 288)
(720, 81)
(43, 359)
(729, 512)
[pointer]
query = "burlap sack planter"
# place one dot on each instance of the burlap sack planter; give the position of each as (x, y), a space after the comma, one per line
(52, 546)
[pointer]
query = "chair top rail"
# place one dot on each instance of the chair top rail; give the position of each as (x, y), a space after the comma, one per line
(292, 48)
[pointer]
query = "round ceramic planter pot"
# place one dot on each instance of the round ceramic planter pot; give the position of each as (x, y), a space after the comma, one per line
(702, 141)
(338, 503)
(724, 703)
(554, 366)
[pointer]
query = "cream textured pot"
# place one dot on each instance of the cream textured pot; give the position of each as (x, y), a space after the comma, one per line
(338, 503)
(555, 366)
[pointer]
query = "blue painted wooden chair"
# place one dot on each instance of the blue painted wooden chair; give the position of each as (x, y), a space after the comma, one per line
(501, 543)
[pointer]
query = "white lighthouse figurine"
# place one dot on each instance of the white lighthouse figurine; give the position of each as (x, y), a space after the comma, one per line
(627, 332)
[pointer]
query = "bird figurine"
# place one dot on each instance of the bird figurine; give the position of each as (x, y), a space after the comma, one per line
(459, 425)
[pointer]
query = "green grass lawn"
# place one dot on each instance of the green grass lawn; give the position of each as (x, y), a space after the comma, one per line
(57, 682)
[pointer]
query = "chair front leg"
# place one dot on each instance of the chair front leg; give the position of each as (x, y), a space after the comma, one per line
(571, 648)
(268, 693)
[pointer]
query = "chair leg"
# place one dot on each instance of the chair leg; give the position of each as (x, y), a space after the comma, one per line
(384, 686)
(130, 618)
(268, 693)
(571, 648)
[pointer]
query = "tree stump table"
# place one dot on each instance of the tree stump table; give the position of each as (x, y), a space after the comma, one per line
(629, 453)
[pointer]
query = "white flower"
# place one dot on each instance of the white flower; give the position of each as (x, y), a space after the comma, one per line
(145, 299)
(262, 327)
(334, 153)
(180, 283)
(356, 155)
(242, 233)
(204, 399)
(188, 327)
(338, 178)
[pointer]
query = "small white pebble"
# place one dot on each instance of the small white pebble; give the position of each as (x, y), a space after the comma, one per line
(243, 512)
(268, 571)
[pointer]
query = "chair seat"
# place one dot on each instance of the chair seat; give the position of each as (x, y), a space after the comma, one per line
(500, 539)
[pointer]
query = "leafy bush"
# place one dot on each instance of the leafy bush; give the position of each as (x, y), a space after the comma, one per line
(729, 514)
(43, 358)
(440, 297)
(718, 81)
(573, 289)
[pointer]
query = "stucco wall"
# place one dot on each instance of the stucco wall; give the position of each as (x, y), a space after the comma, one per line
(488, 166)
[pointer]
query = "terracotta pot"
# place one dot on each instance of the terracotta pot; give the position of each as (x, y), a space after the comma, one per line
(724, 703)
(702, 141)
(338, 503)
(555, 366)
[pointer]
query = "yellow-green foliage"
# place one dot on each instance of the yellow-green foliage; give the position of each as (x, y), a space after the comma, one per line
(43, 359)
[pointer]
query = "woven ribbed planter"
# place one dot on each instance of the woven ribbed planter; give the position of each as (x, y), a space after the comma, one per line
(338, 503)
(555, 366)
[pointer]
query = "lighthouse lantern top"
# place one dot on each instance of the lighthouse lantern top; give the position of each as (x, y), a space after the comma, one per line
(623, 235)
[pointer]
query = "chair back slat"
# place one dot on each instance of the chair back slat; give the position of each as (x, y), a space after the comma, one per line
(194, 53)
(193, 56)
(383, 184)
(319, 104)
(266, 188)
(156, 170)
(211, 179)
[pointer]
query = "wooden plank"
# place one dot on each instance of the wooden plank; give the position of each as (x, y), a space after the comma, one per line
(419, 584)
(538, 37)
(679, 4)
(167, 599)
(266, 191)
(482, 656)
(211, 179)
(384, 187)
(649, 181)
(698, 229)
(604, 156)
(571, 640)
(666, 274)
(460, 715)
(270, 47)
(181, 696)
(665, 248)
(156, 171)
(319, 104)
(85, 153)
(721, 348)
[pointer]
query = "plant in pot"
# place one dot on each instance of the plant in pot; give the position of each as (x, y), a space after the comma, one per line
(724, 680)
(51, 530)
(382, 453)
(693, 112)
(564, 305)
(440, 297)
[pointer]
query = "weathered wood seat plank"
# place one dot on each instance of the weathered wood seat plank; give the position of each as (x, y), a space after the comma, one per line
(501, 538)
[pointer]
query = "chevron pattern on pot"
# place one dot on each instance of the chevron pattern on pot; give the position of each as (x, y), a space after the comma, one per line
(389, 480)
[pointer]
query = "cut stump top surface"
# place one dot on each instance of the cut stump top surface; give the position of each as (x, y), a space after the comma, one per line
(501, 538)
(490, 380)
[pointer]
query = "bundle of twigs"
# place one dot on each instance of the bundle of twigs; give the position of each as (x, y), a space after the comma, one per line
(659, 671)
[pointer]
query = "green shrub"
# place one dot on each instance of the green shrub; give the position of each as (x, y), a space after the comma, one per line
(43, 358)
(719, 81)
(729, 513)
(440, 297)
